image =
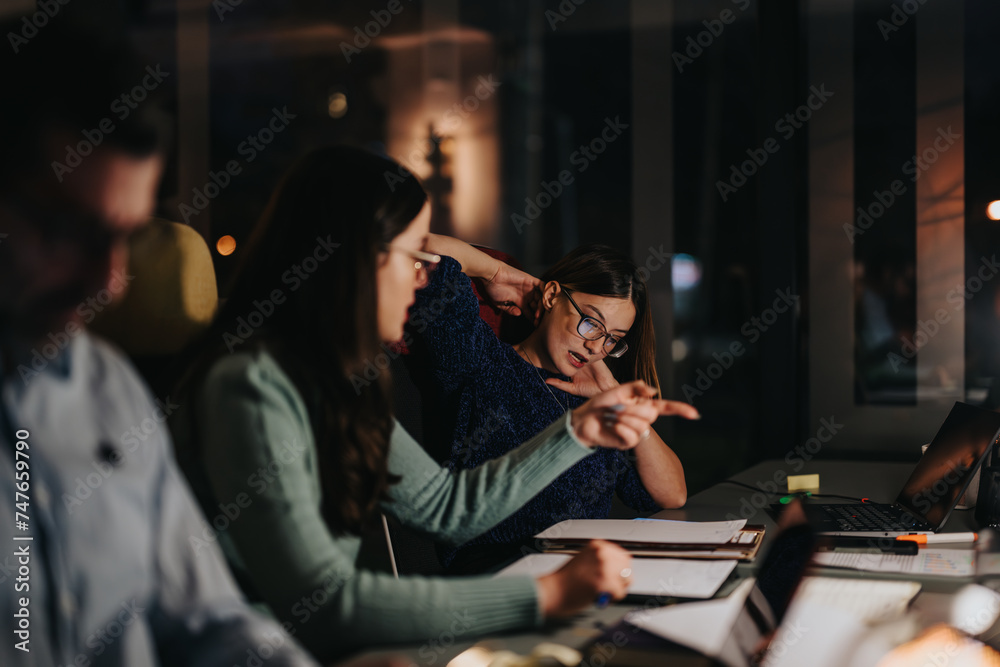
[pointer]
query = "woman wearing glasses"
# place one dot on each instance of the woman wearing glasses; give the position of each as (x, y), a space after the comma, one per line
(594, 329)
(292, 454)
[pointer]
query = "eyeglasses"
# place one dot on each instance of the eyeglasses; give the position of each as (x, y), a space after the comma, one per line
(591, 329)
(424, 262)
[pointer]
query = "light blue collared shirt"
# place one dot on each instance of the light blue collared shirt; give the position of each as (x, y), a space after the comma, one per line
(105, 573)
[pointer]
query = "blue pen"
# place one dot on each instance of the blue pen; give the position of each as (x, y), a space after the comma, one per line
(603, 600)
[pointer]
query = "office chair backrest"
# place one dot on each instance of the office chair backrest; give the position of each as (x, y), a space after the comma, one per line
(172, 297)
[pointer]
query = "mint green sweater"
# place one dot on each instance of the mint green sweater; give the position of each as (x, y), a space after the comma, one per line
(259, 459)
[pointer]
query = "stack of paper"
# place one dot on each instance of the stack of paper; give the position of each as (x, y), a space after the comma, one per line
(659, 538)
(650, 576)
(644, 532)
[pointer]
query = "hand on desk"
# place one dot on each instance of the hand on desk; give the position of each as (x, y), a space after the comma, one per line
(576, 585)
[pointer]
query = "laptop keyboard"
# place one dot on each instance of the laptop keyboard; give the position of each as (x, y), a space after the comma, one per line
(871, 517)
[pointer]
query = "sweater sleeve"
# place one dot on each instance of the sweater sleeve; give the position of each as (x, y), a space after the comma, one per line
(445, 321)
(260, 457)
(455, 507)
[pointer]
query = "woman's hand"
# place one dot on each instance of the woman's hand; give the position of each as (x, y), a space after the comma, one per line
(589, 381)
(601, 567)
(515, 292)
(621, 418)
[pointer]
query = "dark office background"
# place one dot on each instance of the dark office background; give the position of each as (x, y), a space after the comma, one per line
(702, 86)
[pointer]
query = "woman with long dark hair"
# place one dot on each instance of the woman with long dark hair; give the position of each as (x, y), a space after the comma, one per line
(594, 328)
(292, 457)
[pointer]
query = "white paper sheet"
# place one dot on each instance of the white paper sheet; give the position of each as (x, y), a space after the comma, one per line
(928, 562)
(703, 626)
(871, 601)
(815, 635)
(672, 577)
(663, 532)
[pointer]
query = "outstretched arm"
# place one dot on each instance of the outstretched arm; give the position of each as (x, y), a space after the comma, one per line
(454, 507)
(659, 468)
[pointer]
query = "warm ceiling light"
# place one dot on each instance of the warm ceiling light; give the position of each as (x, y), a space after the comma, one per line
(226, 245)
(993, 210)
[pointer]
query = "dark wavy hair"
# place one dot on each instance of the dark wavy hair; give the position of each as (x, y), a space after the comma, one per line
(603, 271)
(327, 329)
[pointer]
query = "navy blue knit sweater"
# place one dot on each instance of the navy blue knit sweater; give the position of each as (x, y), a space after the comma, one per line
(487, 400)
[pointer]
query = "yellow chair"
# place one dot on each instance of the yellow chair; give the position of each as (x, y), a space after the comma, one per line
(172, 297)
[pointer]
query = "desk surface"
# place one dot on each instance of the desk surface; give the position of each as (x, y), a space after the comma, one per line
(875, 480)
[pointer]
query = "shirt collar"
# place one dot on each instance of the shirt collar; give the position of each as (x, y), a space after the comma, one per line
(28, 360)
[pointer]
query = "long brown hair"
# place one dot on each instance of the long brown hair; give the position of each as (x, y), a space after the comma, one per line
(327, 329)
(603, 271)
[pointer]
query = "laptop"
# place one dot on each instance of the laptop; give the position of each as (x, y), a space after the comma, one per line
(933, 490)
(732, 631)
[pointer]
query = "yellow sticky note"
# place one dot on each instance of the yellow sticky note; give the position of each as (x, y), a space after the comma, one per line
(803, 483)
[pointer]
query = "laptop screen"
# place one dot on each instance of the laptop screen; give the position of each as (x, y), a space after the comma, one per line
(945, 470)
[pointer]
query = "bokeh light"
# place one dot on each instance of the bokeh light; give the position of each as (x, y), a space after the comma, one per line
(226, 245)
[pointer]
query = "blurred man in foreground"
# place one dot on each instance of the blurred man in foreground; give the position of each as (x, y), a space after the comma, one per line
(96, 565)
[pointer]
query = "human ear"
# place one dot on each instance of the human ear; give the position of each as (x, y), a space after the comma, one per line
(549, 293)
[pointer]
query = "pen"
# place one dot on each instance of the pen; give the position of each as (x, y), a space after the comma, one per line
(603, 600)
(934, 538)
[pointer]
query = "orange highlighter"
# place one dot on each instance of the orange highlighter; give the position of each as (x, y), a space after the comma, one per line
(935, 538)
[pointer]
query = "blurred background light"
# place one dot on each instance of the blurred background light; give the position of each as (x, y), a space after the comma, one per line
(337, 105)
(226, 245)
(993, 210)
(685, 271)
